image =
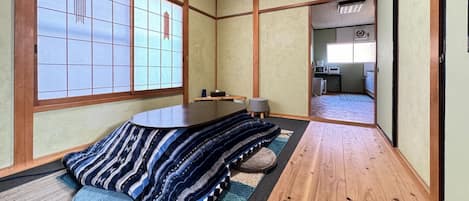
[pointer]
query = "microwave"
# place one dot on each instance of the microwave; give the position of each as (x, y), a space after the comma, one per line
(334, 70)
(320, 69)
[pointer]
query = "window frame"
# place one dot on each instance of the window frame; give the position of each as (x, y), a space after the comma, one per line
(68, 102)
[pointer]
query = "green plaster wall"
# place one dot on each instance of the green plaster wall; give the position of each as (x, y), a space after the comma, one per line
(283, 54)
(231, 7)
(414, 85)
(457, 99)
(6, 83)
(208, 6)
(202, 46)
(385, 65)
(235, 55)
(59, 130)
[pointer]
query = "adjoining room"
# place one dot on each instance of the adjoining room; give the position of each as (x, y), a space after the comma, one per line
(344, 57)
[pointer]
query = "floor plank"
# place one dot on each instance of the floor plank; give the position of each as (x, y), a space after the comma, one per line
(345, 163)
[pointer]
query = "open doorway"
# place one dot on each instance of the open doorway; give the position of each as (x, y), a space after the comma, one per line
(343, 61)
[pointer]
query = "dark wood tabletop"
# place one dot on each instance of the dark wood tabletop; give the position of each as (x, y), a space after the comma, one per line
(190, 115)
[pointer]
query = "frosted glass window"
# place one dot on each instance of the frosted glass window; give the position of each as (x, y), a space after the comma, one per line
(177, 28)
(121, 55)
(121, 34)
(177, 44)
(56, 73)
(51, 23)
(102, 10)
(84, 51)
(80, 31)
(79, 77)
(154, 22)
(141, 78)
(166, 58)
(124, 2)
(124, 17)
(177, 13)
(141, 37)
(52, 4)
(121, 76)
(154, 58)
(177, 59)
(79, 52)
(340, 53)
(364, 52)
(154, 40)
(140, 57)
(154, 6)
(102, 54)
(142, 4)
(102, 31)
(102, 76)
(51, 50)
(141, 18)
(166, 6)
(71, 6)
(177, 75)
(158, 51)
(166, 75)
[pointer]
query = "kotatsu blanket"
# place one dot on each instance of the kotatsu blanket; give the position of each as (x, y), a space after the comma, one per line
(170, 164)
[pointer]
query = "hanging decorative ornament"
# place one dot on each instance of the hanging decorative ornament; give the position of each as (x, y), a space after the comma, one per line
(80, 11)
(166, 25)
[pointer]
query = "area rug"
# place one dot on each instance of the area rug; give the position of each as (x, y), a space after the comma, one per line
(242, 184)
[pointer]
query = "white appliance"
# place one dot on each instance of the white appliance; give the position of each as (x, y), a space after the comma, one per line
(334, 70)
(319, 86)
(321, 69)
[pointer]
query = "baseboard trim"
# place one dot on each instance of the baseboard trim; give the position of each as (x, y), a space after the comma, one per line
(332, 121)
(411, 170)
(403, 160)
(39, 161)
(381, 131)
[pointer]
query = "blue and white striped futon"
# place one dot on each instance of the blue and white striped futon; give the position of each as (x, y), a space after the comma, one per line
(170, 164)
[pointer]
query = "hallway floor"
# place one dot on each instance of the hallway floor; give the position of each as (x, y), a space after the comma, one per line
(344, 107)
(346, 163)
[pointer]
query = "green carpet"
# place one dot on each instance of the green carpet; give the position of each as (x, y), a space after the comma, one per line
(243, 185)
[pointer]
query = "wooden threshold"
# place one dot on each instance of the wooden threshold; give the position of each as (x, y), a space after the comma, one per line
(288, 116)
(319, 119)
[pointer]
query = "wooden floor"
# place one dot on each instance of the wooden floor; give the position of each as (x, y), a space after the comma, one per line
(344, 107)
(345, 163)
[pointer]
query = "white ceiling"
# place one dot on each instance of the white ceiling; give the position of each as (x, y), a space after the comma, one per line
(326, 16)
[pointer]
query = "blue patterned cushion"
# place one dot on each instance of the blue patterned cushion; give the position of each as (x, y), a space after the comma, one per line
(89, 193)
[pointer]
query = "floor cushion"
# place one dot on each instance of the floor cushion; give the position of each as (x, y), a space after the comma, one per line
(262, 161)
(89, 193)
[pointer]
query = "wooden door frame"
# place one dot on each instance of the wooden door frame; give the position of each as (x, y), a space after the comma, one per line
(395, 74)
(310, 76)
(437, 97)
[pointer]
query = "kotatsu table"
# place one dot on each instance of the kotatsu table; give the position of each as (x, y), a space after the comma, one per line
(194, 146)
(190, 115)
